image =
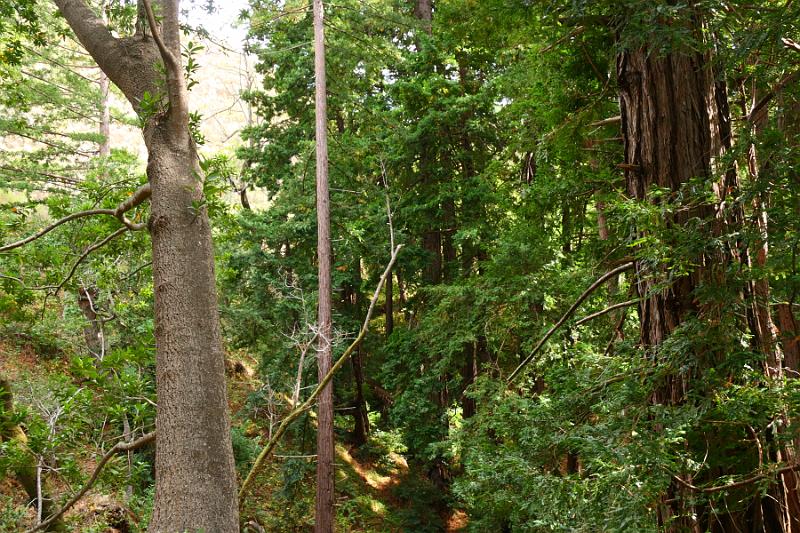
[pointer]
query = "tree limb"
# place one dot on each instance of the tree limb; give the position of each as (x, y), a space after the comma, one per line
(291, 417)
(139, 196)
(176, 83)
(786, 80)
(790, 44)
(606, 121)
(118, 447)
(169, 58)
(93, 34)
(569, 313)
(608, 309)
(744, 482)
(86, 253)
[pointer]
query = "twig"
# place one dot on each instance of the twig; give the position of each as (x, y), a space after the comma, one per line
(608, 309)
(118, 447)
(291, 417)
(742, 483)
(569, 313)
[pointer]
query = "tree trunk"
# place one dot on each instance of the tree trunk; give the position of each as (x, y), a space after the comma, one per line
(325, 441)
(195, 476)
(666, 125)
(93, 332)
(389, 307)
(195, 480)
(360, 415)
(423, 11)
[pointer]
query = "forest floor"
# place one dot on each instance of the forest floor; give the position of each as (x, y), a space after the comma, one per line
(377, 490)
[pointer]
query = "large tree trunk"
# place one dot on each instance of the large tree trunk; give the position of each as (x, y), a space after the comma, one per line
(195, 480)
(195, 476)
(666, 124)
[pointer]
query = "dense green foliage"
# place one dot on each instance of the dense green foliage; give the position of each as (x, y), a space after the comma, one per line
(481, 146)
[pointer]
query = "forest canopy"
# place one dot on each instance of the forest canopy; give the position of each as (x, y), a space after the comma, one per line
(400, 265)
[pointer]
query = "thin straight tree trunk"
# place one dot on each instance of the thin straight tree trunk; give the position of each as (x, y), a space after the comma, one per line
(783, 502)
(325, 443)
(105, 116)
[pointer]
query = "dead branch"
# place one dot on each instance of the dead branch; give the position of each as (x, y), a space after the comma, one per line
(118, 447)
(790, 44)
(291, 417)
(602, 279)
(606, 121)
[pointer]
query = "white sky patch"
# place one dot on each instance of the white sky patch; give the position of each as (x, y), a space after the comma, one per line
(223, 23)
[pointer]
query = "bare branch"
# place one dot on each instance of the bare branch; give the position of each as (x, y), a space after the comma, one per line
(169, 58)
(605, 121)
(118, 447)
(176, 84)
(790, 44)
(54, 225)
(291, 417)
(607, 310)
(602, 279)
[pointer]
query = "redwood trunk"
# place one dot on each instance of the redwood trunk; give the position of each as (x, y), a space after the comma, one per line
(666, 125)
(325, 443)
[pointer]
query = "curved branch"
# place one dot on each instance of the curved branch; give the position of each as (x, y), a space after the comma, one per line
(54, 225)
(140, 195)
(291, 417)
(569, 313)
(86, 253)
(118, 447)
(176, 83)
(169, 58)
(607, 310)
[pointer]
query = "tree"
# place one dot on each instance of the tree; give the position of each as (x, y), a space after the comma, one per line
(325, 444)
(196, 484)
